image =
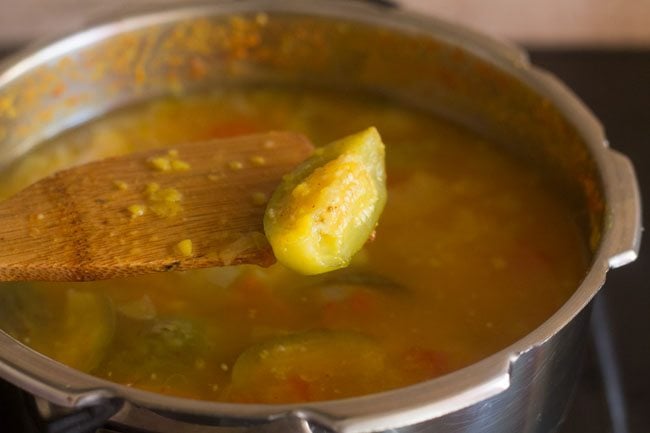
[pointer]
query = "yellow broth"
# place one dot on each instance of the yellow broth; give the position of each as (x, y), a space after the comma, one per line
(473, 251)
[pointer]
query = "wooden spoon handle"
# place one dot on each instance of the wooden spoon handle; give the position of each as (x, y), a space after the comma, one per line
(84, 223)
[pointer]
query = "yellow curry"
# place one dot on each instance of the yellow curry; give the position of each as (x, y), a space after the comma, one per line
(473, 250)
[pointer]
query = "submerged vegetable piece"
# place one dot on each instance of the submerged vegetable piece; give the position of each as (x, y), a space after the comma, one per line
(88, 329)
(72, 326)
(325, 210)
(308, 366)
(161, 353)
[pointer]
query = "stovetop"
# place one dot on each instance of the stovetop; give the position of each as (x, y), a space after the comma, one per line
(613, 394)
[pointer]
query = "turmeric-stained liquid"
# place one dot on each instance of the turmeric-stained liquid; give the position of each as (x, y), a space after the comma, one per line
(473, 251)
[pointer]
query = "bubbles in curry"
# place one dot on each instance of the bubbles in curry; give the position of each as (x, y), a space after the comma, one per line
(473, 250)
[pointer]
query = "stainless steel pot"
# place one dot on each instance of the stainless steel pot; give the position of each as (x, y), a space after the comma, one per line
(485, 84)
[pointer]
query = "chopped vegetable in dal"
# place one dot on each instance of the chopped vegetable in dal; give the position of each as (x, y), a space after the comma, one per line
(472, 252)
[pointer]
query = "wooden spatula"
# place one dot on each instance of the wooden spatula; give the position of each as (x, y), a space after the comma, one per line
(196, 205)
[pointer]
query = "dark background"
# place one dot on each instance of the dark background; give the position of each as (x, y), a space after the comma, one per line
(615, 84)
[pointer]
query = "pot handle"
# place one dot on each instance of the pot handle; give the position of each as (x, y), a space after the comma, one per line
(85, 420)
(625, 212)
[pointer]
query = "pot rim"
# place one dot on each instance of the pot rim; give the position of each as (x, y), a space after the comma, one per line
(67, 387)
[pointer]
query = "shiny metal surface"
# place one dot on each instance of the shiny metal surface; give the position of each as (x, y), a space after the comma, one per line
(523, 388)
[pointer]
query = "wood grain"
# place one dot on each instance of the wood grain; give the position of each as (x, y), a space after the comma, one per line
(76, 225)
